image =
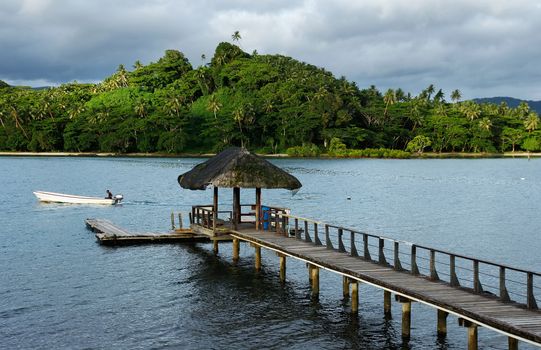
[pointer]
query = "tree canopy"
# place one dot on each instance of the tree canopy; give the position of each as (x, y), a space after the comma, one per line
(268, 103)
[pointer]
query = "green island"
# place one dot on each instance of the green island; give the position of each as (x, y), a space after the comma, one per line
(271, 104)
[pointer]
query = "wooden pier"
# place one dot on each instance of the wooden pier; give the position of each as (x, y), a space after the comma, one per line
(413, 273)
(111, 234)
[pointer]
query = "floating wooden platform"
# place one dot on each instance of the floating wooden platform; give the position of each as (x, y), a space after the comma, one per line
(111, 234)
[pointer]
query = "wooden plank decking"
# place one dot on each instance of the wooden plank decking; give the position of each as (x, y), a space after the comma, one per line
(111, 234)
(511, 319)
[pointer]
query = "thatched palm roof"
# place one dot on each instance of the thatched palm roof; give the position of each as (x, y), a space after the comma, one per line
(236, 167)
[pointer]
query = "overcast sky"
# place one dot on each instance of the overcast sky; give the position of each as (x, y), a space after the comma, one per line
(483, 47)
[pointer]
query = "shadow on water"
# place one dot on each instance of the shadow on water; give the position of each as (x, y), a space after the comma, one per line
(273, 315)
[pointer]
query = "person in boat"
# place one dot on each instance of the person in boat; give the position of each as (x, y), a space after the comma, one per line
(108, 195)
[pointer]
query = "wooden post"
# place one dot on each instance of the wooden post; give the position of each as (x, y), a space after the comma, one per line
(345, 287)
(406, 319)
(397, 264)
(236, 206)
(258, 258)
(387, 303)
(172, 220)
(530, 299)
(306, 233)
(366, 254)
(414, 268)
(315, 280)
(236, 248)
(317, 241)
(353, 251)
(328, 242)
(257, 207)
(214, 208)
(433, 273)
(472, 332)
(477, 288)
(452, 272)
(381, 253)
(442, 323)
(341, 247)
(282, 268)
(504, 296)
(513, 343)
(215, 246)
(180, 220)
(355, 297)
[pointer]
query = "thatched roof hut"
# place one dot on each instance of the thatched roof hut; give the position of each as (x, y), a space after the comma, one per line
(237, 168)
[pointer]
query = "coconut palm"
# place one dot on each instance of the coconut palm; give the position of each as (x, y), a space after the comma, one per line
(456, 95)
(214, 105)
(390, 99)
(531, 123)
(485, 124)
(236, 36)
(137, 65)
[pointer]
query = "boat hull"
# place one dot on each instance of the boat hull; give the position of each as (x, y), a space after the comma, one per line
(69, 198)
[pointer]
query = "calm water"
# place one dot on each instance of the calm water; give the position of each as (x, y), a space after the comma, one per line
(59, 289)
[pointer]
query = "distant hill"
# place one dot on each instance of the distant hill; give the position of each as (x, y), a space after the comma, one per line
(511, 102)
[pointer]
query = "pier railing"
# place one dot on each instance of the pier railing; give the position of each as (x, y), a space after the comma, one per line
(507, 283)
(203, 215)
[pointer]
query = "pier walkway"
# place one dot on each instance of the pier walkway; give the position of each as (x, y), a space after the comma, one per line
(480, 293)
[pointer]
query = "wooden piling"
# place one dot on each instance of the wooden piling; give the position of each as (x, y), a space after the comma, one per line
(345, 287)
(236, 249)
(309, 266)
(513, 343)
(172, 220)
(387, 303)
(355, 297)
(282, 267)
(180, 221)
(215, 247)
(406, 315)
(315, 280)
(472, 332)
(442, 323)
(257, 258)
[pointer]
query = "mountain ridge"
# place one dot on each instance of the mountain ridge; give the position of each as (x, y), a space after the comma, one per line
(511, 102)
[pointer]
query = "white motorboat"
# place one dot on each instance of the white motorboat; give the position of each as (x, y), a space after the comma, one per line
(69, 198)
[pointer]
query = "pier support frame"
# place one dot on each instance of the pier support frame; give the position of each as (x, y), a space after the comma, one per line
(472, 332)
(215, 246)
(406, 316)
(442, 323)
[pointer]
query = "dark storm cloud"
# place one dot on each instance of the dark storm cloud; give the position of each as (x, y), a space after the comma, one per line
(482, 48)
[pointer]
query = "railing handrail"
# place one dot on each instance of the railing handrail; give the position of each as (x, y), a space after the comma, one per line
(461, 256)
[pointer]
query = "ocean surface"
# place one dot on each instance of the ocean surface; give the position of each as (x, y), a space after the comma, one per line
(59, 289)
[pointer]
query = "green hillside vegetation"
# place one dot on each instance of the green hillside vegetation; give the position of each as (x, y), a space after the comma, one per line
(268, 103)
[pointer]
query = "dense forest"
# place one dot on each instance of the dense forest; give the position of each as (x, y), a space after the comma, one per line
(267, 103)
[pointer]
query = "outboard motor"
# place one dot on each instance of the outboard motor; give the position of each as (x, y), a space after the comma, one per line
(118, 198)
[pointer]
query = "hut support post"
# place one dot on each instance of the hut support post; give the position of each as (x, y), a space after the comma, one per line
(236, 206)
(215, 247)
(215, 209)
(442, 323)
(257, 207)
(387, 303)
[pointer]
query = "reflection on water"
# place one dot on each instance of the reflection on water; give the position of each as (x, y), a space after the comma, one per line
(60, 289)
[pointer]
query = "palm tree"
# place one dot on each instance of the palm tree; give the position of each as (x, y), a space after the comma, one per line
(236, 36)
(141, 109)
(389, 98)
(456, 95)
(137, 65)
(485, 124)
(531, 122)
(214, 105)
(429, 91)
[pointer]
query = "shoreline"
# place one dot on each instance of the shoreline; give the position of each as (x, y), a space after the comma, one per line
(426, 155)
